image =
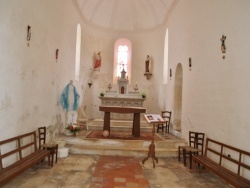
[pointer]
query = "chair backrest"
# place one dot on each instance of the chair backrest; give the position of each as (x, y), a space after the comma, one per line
(166, 115)
(200, 141)
(81, 114)
(41, 136)
(192, 139)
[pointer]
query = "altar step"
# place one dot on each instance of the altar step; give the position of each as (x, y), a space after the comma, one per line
(119, 125)
(81, 145)
(168, 147)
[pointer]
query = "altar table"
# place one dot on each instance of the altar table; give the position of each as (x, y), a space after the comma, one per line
(118, 109)
(122, 100)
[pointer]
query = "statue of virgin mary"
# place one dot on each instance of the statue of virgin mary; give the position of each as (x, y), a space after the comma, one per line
(70, 101)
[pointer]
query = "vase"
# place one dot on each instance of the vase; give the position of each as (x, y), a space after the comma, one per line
(68, 133)
(75, 133)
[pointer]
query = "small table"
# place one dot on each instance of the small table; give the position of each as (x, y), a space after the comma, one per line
(118, 109)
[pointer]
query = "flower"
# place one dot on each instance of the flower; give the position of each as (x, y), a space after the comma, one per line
(73, 128)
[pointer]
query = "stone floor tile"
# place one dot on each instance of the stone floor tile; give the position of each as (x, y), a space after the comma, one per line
(119, 180)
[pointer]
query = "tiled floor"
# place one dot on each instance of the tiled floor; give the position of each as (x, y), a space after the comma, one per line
(85, 171)
(96, 171)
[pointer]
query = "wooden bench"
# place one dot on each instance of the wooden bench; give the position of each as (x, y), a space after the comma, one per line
(18, 154)
(227, 162)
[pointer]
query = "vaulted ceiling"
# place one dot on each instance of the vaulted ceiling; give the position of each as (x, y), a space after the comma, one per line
(125, 15)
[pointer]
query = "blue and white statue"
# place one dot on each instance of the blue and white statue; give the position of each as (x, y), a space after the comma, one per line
(70, 101)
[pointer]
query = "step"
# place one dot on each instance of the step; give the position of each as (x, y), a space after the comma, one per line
(118, 122)
(168, 147)
(119, 125)
(82, 145)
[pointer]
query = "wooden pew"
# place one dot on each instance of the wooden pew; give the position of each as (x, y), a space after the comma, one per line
(217, 158)
(22, 150)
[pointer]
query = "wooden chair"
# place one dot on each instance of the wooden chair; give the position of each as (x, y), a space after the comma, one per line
(196, 145)
(191, 142)
(53, 147)
(82, 119)
(166, 115)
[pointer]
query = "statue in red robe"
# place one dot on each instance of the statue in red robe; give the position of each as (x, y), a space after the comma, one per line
(98, 60)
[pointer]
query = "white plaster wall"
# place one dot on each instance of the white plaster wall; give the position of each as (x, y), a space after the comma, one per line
(31, 80)
(216, 91)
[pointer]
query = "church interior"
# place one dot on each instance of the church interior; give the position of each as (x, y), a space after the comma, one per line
(70, 63)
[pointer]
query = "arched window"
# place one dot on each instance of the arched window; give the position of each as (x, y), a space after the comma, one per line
(122, 58)
(165, 65)
(78, 52)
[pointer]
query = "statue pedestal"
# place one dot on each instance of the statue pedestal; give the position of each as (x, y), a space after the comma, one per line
(71, 117)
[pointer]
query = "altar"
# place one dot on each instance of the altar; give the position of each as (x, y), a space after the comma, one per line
(123, 101)
(123, 110)
(121, 96)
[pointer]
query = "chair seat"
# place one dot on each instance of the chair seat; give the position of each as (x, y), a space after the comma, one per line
(48, 145)
(193, 150)
(82, 118)
(184, 147)
(189, 148)
(83, 122)
(52, 147)
(195, 146)
(166, 115)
